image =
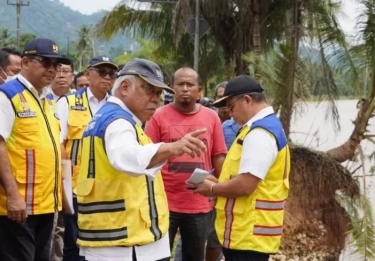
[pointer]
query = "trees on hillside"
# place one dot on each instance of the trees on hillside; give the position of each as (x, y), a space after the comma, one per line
(7, 39)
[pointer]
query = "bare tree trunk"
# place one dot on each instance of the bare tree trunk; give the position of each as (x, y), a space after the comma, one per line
(256, 48)
(293, 41)
(228, 65)
(347, 150)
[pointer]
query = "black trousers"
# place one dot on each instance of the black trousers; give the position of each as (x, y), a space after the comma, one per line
(71, 249)
(243, 255)
(193, 230)
(30, 241)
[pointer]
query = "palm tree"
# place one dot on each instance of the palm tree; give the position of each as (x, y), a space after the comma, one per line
(353, 61)
(5, 37)
(84, 46)
(157, 23)
(166, 23)
(25, 39)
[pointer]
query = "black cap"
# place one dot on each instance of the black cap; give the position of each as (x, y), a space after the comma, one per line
(242, 84)
(99, 60)
(168, 97)
(45, 48)
(148, 71)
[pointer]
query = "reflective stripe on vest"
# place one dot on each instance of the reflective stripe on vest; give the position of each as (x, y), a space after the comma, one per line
(268, 231)
(285, 176)
(103, 235)
(229, 206)
(74, 152)
(155, 230)
(269, 205)
(91, 173)
(30, 170)
(101, 207)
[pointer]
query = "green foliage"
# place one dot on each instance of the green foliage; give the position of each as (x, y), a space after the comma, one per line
(362, 232)
(7, 40)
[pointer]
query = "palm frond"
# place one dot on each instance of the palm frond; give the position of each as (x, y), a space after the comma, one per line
(362, 231)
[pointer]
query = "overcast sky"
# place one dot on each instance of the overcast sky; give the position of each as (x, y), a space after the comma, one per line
(347, 21)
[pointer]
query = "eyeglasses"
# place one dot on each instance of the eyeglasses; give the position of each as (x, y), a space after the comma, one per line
(46, 62)
(65, 72)
(103, 72)
(151, 90)
(231, 106)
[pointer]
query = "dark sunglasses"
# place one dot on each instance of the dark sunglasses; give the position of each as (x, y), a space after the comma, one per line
(46, 62)
(103, 72)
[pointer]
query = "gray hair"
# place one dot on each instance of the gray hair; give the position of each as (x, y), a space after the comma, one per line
(119, 80)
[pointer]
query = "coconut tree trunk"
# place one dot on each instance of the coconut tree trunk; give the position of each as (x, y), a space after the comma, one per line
(347, 150)
(256, 41)
(228, 64)
(257, 48)
(293, 41)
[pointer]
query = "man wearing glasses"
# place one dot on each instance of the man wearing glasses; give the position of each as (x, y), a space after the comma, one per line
(63, 81)
(30, 158)
(254, 181)
(76, 111)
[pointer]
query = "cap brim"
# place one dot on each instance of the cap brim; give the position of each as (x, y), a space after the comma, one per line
(104, 63)
(222, 102)
(158, 84)
(60, 59)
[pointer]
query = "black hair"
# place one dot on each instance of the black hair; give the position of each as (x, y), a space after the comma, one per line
(173, 75)
(80, 74)
(220, 85)
(4, 56)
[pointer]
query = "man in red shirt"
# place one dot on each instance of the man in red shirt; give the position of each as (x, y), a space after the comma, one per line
(188, 212)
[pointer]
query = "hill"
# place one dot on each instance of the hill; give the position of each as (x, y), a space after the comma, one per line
(52, 19)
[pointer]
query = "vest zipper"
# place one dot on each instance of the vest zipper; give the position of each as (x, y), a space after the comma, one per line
(54, 148)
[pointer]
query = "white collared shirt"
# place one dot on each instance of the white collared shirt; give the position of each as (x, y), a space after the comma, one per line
(50, 91)
(7, 114)
(127, 155)
(63, 109)
(260, 148)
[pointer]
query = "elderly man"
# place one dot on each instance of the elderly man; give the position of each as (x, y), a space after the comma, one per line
(76, 111)
(254, 182)
(122, 207)
(30, 159)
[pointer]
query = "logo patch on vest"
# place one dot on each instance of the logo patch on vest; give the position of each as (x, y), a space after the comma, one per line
(78, 108)
(25, 109)
(78, 104)
(27, 114)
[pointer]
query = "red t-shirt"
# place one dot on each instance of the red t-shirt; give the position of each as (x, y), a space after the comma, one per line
(169, 125)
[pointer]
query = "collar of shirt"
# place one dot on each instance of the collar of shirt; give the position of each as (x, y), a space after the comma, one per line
(50, 91)
(29, 86)
(260, 115)
(91, 96)
(122, 105)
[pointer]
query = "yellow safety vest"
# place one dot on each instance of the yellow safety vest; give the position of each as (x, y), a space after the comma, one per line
(34, 151)
(255, 222)
(114, 208)
(79, 115)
